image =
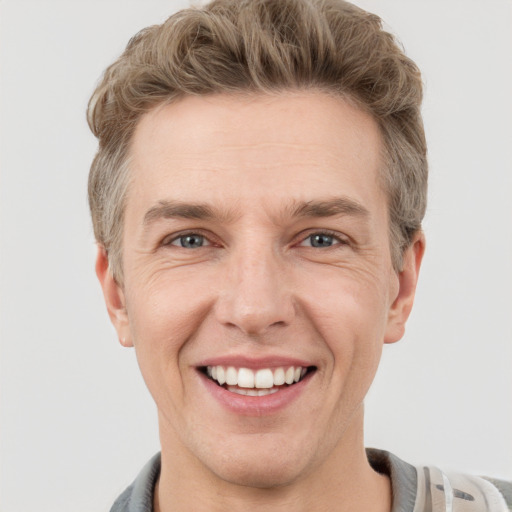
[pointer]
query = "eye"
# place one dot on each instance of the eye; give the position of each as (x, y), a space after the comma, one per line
(190, 241)
(322, 240)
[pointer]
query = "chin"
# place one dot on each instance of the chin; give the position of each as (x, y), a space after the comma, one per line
(261, 465)
(258, 476)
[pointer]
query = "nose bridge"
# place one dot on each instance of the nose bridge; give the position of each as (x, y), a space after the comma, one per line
(255, 294)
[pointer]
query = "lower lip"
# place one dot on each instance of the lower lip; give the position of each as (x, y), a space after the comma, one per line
(256, 405)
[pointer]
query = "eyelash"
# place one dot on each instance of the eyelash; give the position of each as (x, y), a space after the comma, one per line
(169, 240)
(339, 240)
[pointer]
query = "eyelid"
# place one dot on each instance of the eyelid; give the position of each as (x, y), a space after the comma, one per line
(340, 238)
(173, 237)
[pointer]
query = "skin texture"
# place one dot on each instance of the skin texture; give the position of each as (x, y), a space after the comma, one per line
(257, 288)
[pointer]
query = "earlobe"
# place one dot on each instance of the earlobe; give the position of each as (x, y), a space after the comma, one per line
(114, 297)
(407, 280)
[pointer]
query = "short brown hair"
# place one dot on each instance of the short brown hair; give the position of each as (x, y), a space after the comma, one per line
(262, 46)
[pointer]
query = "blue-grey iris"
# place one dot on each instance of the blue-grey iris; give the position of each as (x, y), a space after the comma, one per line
(191, 241)
(321, 240)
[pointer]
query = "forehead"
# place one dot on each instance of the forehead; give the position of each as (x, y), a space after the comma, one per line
(256, 149)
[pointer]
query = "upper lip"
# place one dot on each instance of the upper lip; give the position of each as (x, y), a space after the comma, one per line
(254, 363)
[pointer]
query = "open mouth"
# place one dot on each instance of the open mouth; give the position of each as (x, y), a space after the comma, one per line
(264, 381)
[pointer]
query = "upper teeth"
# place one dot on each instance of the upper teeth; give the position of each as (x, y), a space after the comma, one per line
(265, 378)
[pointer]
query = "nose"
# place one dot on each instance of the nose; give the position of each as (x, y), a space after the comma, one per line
(255, 294)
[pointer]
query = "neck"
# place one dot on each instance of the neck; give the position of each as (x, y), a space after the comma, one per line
(342, 482)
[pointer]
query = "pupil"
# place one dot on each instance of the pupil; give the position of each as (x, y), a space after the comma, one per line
(321, 240)
(191, 241)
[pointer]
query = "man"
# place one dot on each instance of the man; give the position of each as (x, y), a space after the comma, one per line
(257, 198)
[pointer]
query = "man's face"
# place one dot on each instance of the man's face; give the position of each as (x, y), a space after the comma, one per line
(255, 241)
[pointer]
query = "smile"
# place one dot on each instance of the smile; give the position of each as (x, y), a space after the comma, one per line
(261, 382)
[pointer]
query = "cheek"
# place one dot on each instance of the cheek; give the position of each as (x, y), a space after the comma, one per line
(164, 307)
(346, 304)
(350, 315)
(164, 316)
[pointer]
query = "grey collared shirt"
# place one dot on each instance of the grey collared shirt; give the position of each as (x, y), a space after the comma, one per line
(415, 489)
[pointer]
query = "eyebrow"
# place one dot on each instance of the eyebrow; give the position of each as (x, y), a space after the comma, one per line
(329, 208)
(176, 209)
(170, 209)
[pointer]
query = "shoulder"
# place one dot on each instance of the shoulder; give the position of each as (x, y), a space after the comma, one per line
(138, 497)
(504, 487)
(494, 493)
(458, 492)
(428, 489)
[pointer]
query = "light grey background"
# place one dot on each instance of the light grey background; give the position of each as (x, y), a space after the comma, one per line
(76, 421)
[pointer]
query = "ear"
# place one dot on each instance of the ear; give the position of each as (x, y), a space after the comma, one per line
(114, 298)
(407, 281)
